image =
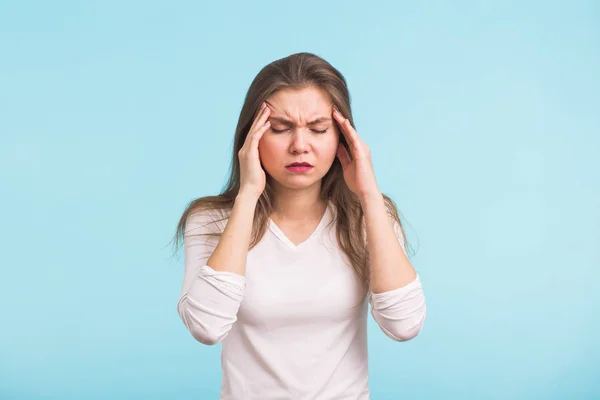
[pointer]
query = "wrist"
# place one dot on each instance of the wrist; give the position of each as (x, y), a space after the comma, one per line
(371, 196)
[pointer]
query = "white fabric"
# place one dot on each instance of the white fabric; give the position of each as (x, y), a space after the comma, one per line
(295, 326)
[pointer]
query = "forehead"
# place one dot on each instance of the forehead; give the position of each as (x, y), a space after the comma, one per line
(294, 102)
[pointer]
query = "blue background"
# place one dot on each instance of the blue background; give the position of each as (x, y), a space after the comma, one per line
(483, 120)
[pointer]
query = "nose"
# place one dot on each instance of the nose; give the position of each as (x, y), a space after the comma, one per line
(299, 142)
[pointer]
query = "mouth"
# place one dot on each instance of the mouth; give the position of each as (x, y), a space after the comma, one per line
(299, 167)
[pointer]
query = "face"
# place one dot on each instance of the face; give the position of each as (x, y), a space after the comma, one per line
(302, 130)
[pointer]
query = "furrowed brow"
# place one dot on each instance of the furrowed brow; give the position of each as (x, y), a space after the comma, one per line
(290, 123)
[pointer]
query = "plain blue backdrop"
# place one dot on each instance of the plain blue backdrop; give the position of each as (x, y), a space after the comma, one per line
(483, 121)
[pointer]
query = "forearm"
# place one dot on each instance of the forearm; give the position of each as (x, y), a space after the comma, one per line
(232, 251)
(390, 268)
(400, 313)
(209, 308)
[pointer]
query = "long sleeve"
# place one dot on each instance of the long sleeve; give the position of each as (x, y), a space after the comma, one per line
(400, 313)
(209, 299)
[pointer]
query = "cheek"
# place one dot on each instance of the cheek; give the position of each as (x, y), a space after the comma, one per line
(269, 153)
(331, 147)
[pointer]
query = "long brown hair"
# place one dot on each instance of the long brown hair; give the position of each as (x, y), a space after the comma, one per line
(297, 71)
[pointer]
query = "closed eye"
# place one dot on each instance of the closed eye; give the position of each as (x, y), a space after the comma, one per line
(314, 130)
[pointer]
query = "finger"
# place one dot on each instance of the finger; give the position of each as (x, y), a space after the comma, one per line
(255, 139)
(259, 122)
(259, 115)
(259, 133)
(264, 118)
(343, 156)
(346, 128)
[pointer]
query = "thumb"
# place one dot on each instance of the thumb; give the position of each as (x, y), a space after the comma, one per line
(343, 155)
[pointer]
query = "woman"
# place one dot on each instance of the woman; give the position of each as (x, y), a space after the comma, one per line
(281, 265)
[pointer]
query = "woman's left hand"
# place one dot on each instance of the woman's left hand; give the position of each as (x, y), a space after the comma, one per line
(358, 171)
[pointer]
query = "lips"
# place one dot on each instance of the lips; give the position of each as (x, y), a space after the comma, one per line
(302, 164)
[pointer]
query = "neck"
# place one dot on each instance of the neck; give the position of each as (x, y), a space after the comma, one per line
(298, 205)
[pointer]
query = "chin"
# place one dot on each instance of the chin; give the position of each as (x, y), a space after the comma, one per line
(295, 182)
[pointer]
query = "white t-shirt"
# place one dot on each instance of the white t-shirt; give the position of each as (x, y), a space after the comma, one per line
(295, 326)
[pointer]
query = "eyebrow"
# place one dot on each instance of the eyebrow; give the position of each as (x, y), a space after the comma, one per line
(290, 123)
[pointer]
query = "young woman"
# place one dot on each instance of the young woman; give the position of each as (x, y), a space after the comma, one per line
(281, 266)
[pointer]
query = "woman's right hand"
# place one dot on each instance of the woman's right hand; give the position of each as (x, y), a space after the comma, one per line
(252, 175)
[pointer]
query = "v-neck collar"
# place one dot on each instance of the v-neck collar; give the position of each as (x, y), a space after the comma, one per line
(279, 233)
